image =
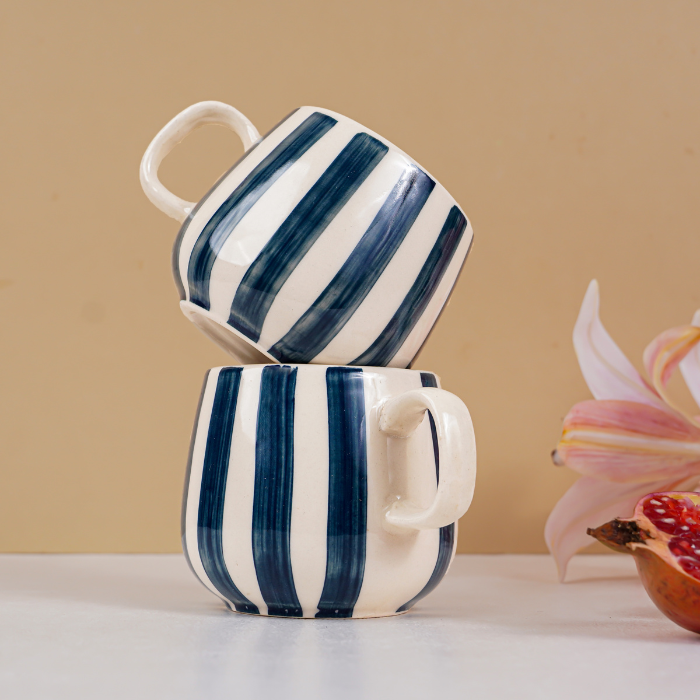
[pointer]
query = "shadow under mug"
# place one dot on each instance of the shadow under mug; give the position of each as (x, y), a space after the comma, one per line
(323, 244)
(325, 492)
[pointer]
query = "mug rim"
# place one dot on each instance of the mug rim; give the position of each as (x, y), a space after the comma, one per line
(319, 368)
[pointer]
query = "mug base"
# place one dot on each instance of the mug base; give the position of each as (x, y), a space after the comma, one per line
(367, 616)
(227, 338)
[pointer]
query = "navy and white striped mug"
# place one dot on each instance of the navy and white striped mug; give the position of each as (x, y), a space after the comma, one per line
(316, 491)
(323, 244)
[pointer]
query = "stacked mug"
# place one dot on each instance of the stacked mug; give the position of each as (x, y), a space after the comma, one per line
(324, 478)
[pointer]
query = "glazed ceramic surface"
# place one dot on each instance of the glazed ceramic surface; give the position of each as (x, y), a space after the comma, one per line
(324, 244)
(325, 491)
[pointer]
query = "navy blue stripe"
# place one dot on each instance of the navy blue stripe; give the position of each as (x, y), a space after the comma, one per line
(213, 492)
(353, 282)
(293, 239)
(347, 492)
(272, 500)
(239, 202)
(390, 340)
(447, 533)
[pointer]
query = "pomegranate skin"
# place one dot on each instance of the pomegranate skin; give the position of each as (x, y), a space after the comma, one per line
(673, 592)
(663, 536)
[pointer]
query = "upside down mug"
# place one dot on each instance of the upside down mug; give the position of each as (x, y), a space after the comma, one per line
(323, 244)
(326, 492)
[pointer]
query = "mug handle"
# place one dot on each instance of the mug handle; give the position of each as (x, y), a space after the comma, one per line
(175, 131)
(399, 417)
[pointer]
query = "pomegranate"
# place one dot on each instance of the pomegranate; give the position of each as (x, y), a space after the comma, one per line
(664, 537)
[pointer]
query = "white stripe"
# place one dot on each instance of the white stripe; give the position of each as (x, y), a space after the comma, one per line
(310, 495)
(234, 178)
(195, 483)
(320, 265)
(240, 486)
(378, 307)
(413, 343)
(397, 567)
(263, 219)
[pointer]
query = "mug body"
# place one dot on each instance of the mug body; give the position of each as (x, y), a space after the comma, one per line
(288, 482)
(324, 244)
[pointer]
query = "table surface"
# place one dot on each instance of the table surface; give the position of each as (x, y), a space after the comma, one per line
(499, 626)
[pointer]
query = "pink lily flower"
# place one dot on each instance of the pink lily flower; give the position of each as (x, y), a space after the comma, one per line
(633, 439)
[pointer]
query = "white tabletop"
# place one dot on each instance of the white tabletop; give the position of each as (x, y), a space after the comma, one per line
(499, 626)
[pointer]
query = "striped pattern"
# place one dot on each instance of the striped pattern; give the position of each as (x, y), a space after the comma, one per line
(183, 229)
(300, 230)
(211, 496)
(383, 350)
(242, 199)
(267, 547)
(324, 244)
(360, 272)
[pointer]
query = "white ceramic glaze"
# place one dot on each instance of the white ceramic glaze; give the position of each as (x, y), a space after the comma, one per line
(319, 491)
(211, 112)
(324, 244)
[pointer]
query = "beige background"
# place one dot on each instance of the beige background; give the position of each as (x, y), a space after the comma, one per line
(567, 130)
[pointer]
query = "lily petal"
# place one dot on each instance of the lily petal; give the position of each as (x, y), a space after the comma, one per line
(608, 373)
(690, 366)
(591, 502)
(628, 442)
(665, 353)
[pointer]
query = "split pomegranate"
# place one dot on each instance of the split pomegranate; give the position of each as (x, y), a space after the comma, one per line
(664, 537)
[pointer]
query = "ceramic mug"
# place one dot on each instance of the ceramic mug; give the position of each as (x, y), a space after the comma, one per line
(322, 492)
(323, 244)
